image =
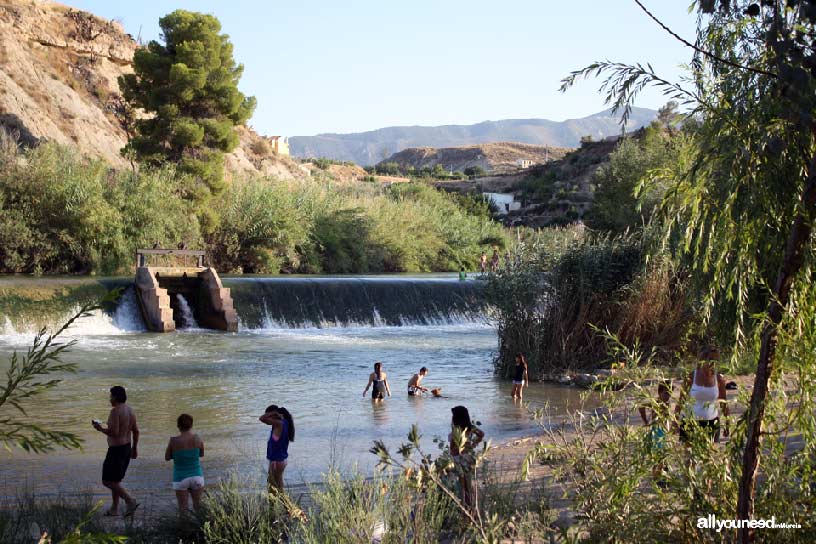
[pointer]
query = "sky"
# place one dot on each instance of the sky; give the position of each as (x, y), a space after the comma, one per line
(329, 66)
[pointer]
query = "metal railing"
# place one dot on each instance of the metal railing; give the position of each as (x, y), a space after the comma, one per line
(141, 255)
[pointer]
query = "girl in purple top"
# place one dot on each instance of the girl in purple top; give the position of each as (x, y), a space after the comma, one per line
(277, 448)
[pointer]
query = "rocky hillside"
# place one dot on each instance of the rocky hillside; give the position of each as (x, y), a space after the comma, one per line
(58, 81)
(367, 148)
(500, 157)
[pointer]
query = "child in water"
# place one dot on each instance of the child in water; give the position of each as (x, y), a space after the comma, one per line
(657, 419)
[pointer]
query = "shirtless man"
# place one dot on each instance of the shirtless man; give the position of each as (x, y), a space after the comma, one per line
(121, 449)
(414, 389)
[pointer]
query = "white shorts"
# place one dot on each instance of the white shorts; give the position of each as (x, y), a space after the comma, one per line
(192, 483)
(518, 382)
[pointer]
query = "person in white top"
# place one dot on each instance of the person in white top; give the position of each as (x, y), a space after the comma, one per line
(706, 389)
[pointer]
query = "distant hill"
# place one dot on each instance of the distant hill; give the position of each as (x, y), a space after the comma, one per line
(371, 147)
(496, 157)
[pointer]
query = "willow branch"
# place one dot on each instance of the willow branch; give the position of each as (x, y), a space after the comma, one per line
(699, 49)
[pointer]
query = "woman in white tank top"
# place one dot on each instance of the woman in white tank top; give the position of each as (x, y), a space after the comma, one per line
(706, 389)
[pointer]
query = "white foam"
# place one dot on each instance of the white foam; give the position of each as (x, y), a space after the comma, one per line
(124, 320)
(188, 320)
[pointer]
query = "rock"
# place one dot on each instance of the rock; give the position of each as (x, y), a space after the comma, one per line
(565, 379)
(565, 520)
(584, 380)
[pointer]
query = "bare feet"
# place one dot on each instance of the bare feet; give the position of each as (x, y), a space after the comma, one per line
(131, 508)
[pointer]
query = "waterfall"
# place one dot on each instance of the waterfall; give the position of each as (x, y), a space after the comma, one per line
(263, 303)
(188, 320)
(320, 302)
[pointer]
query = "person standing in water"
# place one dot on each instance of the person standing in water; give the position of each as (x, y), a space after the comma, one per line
(462, 274)
(414, 387)
(277, 448)
(705, 388)
(122, 433)
(186, 451)
(520, 377)
(379, 380)
(494, 261)
(483, 262)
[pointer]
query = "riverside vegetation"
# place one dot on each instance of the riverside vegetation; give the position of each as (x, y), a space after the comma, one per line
(60, 213)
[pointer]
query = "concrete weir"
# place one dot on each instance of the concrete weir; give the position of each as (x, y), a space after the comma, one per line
(159, 288)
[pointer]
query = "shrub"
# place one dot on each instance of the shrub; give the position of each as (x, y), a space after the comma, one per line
(64, 214)
(550, 306)
(261, 147)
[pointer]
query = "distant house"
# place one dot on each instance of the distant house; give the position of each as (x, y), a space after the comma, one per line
(280, 145)
(504, 202)
(525, 163)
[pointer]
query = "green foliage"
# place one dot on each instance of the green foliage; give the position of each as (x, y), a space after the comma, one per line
(475, 172)
(66, 521)
(323, 163)
(475, 204)
(569, 282)
(29, 377)
(259, 229)
(388, 169)
(189, 86)
(658, 494)
(618, 205)
(271, 227)
(63, 214)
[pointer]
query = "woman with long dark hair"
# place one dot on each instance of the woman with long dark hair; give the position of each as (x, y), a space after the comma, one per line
(520, 377)
(277, 447)
(463, 439)
(379, 380)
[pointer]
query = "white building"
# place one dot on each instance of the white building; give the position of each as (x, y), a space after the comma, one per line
(505, 202)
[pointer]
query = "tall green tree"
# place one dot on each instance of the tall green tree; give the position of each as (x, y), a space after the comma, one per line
(745, 208)
(188, 86)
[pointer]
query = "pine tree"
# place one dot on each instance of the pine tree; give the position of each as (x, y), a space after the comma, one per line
(188, 86)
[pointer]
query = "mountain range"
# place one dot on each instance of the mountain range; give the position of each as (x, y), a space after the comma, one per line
(366, 148)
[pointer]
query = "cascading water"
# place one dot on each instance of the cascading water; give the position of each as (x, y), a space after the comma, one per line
(278, 303)
(291, 303)
(188, 320)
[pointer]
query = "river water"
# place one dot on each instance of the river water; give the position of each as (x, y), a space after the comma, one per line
(315, 366)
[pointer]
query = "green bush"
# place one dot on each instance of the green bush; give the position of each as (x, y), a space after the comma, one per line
(63, 214)
(261, 227)
(475, 172)
(568, 284)
(619, 203)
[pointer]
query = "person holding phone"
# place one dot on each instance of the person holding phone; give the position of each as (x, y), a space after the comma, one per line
(122, 433)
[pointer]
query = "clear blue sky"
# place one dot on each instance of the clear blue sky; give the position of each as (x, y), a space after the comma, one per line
(331, 66)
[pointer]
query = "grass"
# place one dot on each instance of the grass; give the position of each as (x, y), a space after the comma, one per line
(348, 508)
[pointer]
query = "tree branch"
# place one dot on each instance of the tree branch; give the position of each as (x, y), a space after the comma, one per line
(699, 49)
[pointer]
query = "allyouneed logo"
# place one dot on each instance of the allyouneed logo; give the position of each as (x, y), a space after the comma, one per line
(711, 522)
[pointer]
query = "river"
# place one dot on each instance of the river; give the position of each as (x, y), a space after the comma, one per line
(296, 347)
